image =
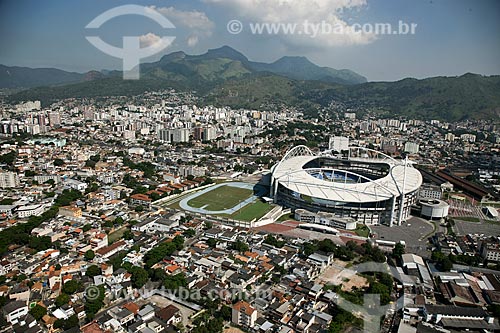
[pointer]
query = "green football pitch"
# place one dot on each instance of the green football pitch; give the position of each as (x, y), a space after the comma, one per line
(221, 198)
(253, 211)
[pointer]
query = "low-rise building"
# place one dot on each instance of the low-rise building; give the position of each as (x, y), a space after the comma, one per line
(70, 211)
(30, 210)
(14, 311)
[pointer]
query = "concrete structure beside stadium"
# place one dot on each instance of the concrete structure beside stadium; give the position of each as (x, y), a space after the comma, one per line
(434, 208)
(363, 184)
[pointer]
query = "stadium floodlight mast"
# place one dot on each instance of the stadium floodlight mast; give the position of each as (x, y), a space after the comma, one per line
(401, 204)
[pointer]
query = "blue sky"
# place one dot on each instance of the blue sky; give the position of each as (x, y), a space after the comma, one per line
(452, 37)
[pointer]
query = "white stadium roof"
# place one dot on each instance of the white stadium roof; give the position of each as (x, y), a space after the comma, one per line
(290, 173)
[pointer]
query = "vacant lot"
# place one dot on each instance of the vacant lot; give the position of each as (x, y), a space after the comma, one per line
(337, 274)
(221, 198)
(162, 302)
(116, 235)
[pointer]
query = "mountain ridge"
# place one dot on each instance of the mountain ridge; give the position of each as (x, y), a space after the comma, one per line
(177, 64)
(225, 76)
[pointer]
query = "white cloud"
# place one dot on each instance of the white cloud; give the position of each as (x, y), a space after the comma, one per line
(192, 40)
(155, 41)
(299, 11)
(196, 23)
(149, 39)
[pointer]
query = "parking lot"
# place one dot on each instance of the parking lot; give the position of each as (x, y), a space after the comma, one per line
(486, 228)
(413, 232)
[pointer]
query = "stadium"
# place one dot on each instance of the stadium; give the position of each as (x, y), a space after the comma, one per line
(360, 183)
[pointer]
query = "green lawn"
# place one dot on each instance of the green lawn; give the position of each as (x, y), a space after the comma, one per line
(116, 235)
(287, 217)
(252, 211)
(221, 198)
(362, 230)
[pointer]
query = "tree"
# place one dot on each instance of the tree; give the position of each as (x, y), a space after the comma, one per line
(93, 271)
(398, 250)
(139, 276)
(157, 274)
(87, 227)
(61, 300)
(240, 246)
(38, 312)
(8, 158)
(309, 248)
(446, 264)
(70, 287)
(212, 242)
(327, 245)
(94, 304)
(225, 313)
(271, 240)
(189, 233)
(89, 255)
(179, 242)
(40, 243)
(29, 173)
(58, 162)
(67, 324)
(67, 196)
(158, 253)
(442, 261)
(494, 309)
(173, 282)
(128, 235)
(382, 290)
(107, 224)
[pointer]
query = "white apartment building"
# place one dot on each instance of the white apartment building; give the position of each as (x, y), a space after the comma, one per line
(30, 210)
(339, 143)
(412, 147)
(244, 314)
(9, 180)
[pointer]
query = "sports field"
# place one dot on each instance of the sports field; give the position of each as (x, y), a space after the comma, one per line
(252, 211)
(221, 198)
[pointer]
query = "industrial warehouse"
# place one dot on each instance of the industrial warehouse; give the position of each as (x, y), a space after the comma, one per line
(359, 183)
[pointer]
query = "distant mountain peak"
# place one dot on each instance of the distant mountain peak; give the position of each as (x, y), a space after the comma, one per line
(294, 58)
(173, 56)
(226, 52)
(93, 75)
(291, 61)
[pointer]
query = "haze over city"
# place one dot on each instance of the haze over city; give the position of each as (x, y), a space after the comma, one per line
(452, 37)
